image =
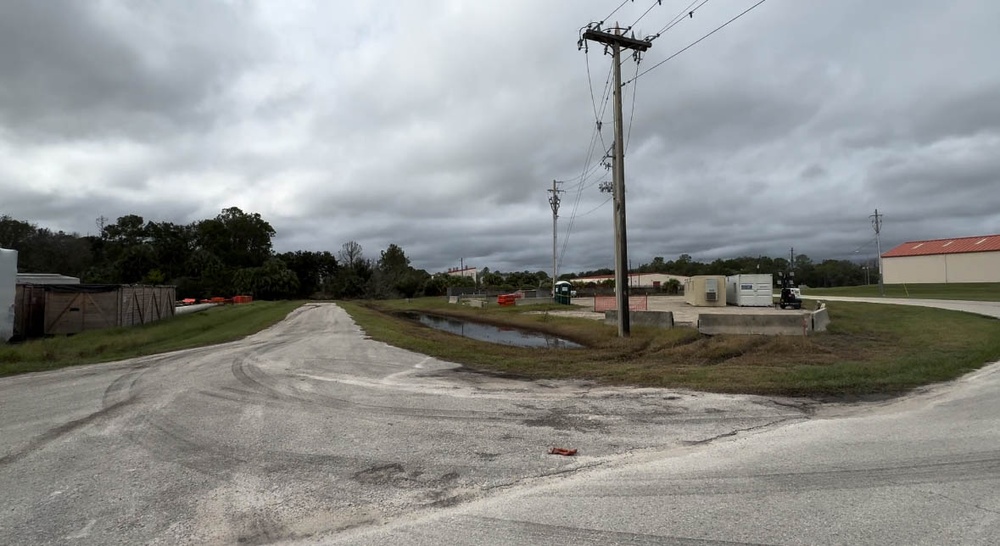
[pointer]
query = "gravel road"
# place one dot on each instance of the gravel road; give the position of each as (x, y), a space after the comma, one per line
(306, 429)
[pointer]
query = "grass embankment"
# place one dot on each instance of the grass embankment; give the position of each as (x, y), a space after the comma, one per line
(950, 291)
(870, 349)
(208, 327)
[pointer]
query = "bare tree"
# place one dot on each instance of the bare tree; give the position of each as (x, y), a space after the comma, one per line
(350, 254)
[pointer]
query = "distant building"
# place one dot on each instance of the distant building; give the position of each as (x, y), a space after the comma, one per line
(635, 280)
(956, 260)
(470, 272)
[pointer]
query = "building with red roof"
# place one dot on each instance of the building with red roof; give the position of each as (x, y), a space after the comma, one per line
(955, 260)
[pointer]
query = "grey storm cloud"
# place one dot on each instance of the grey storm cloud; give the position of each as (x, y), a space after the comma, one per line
(439, 126)
(94, 69)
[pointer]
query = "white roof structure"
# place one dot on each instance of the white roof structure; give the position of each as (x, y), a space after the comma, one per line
(46, 278)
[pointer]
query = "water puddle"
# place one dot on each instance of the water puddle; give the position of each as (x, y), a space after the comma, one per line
(492, 334)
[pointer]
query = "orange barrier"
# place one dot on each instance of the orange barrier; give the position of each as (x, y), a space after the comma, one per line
(234, 299)
(506, 300)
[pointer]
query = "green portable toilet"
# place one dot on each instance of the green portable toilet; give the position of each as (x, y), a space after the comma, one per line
(564, 291)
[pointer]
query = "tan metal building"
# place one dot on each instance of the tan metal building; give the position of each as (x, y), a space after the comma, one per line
(705, 291)
(957, 260)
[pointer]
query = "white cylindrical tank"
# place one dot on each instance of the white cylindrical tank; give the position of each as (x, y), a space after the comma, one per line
(8, 287)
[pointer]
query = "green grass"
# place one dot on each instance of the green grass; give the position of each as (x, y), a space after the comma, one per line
(870, 349)
(208, 327)
(951, 291)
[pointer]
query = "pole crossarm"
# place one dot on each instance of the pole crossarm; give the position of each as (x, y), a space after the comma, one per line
(616, 39)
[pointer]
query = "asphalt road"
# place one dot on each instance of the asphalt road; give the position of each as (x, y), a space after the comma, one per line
(924, 470)
(309, 430)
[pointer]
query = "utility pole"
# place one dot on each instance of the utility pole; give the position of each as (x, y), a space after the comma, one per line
(554, 203)
(877, 225)
(617, 41)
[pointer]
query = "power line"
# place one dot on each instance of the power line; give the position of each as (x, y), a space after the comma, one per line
(620, 6)
(579, 193)
(632, 115)
(595, 209)
(598, 117)
(870, 241)
(649, 9)
(678, 18)
(694, 43)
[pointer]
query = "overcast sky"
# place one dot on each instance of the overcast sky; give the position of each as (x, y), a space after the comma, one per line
(439, 125)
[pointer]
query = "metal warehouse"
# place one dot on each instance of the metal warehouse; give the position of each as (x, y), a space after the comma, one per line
(957, 260)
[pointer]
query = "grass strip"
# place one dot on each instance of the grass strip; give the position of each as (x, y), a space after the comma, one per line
(208, 327)
(869, 349)
(950, 291)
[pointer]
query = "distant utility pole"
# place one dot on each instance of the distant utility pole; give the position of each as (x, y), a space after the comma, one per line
(554, 203)
(617, 41)
(877, 225)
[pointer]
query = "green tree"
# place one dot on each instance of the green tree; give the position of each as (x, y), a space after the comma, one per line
(313, 270)
(239, 239)
(353, 275)
(271, 281)
(171, 245)
(393, 276)
(15, 233)
(673, 286)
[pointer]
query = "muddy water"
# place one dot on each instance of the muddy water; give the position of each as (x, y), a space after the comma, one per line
(493, 334)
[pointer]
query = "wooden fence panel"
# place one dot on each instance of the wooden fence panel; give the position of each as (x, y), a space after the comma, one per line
(75, 312)
(145, 304)
(29, 311)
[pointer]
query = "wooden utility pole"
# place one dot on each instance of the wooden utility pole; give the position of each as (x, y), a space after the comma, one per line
(617, 41)
(554, 202)
(877, 226)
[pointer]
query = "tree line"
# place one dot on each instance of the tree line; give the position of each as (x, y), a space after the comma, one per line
(222, 256)
(232, 254)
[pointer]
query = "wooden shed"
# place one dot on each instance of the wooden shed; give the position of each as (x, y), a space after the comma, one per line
(69, 309)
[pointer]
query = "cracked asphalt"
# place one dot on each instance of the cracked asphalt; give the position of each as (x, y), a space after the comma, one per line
(310, 432)
(924, 469)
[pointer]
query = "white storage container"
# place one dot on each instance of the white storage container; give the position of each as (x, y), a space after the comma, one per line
(750, 290)
(8, 287)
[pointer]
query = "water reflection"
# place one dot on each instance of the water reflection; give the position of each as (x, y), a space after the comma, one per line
(492, 334)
